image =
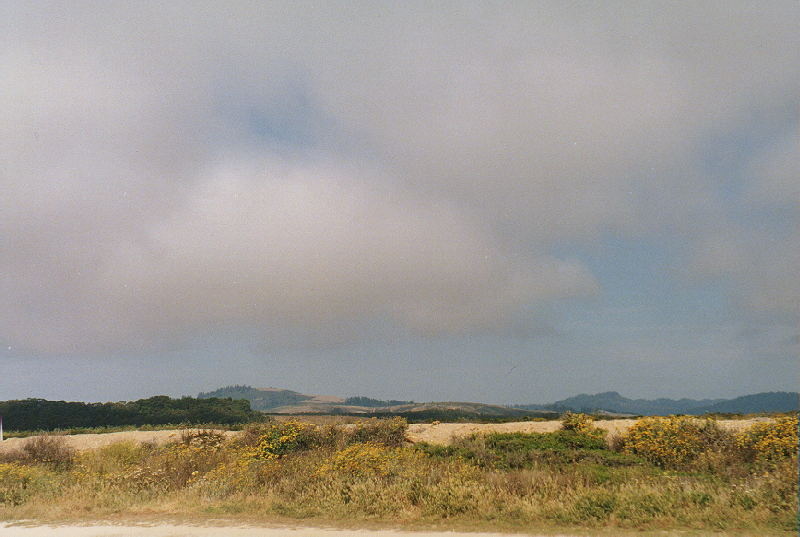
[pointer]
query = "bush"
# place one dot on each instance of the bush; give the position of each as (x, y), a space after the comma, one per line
(279, 439)
(555, 441)
(523, 450)
(675, 441)
(48, 449)
(580, 423)
(17, 482)
(111, 459)
(769, 441)
(369, 458)
(388, 432)
(176, 465)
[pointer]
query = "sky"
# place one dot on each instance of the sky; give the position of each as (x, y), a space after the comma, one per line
(507, 202)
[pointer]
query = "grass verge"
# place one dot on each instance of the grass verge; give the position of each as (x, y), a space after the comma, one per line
(730, 483)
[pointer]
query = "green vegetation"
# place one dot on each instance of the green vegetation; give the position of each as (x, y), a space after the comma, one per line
(743, 481)
(260, 399)
(360, 400)
(39, 414)
(452, 416)
(122, 428)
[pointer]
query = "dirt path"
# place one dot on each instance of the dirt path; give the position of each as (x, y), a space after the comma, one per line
(217, 531)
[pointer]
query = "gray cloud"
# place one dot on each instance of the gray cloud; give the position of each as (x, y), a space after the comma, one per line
(448, 149)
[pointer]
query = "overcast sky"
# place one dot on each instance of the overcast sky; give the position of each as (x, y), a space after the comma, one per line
(492, 201)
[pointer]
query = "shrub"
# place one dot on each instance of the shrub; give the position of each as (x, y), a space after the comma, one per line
(48, 449)
(203, 438)
(111, 459)
(17, 482)
(616, 442)
(579, 423)
(769, 441)
(279, 439)
(674, 441)
(369, 458)
(556, 441)
(522, 450)
(389, 432)
(178, 464)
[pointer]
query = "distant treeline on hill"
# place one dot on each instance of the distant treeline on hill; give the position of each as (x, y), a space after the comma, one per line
(259, 398)
(368, 401)
(614, 402)
(40, 414)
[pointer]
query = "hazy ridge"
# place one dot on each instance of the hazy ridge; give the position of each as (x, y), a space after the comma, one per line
(288, 401)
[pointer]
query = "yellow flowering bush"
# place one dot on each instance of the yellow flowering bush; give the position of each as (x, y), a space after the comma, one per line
(16, 481)
(365, 459)
(278, 439)
(769, 441)
(671, 442)
(580, 423)
(240, 472)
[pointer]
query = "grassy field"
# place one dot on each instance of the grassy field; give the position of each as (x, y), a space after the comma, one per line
(663, 473)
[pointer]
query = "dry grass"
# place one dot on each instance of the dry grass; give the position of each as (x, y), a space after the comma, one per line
(365, 473)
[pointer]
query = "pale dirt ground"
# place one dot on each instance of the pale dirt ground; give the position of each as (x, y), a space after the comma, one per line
(442, 433)
(168, 530)
(93, 441)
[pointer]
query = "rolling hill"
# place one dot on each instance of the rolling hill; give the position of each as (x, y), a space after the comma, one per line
(759, 402)
(616, 403)
(280, 401)
(260, 398)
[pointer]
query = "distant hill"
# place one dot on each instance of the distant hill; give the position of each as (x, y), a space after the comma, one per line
(360, 400)
(759, 402)
(466, 408)
(616, 403)
(260, 398)
(279, 401)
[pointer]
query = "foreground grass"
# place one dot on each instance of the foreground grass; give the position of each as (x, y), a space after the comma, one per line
(365, 474)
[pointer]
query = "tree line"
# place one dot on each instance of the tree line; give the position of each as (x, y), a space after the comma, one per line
(41, 414)
(360, 400)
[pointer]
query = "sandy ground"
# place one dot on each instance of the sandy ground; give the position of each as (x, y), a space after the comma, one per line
(93, 441)
(442, 433)
(218, 531)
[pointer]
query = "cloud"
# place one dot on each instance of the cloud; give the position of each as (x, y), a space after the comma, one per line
(268, 242)
(759, 266)
(776, 171)
(756, 248)
(436, 157)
